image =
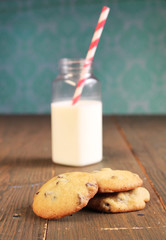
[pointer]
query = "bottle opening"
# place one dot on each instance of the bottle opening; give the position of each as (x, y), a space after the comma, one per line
(73, 65)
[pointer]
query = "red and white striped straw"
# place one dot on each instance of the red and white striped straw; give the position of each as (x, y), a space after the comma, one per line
(91, 53)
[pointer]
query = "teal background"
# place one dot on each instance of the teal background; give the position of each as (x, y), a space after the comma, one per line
(130, 60)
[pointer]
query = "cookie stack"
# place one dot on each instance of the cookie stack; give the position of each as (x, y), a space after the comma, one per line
(106, 190)
(119, 191)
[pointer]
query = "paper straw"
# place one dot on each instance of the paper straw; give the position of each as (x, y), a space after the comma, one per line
(91, 53)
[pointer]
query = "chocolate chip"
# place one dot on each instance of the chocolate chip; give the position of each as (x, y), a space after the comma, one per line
(107, 205)
(61, 180)
(48, 193)
(61, 176)
(53, 198)
(80, 199)
(37, 193)
(113, 177)
(90, 185)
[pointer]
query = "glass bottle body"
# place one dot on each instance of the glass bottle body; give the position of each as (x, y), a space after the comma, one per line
(76, 129)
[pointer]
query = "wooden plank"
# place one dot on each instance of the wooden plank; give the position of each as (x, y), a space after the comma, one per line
(147, 135)
(26, 144)
(146, 224)
(25, 163)
(17, 220)
(98, 226)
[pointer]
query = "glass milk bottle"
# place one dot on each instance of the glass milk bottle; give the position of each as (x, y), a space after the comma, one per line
(76, 129)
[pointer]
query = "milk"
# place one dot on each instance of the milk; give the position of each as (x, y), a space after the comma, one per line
(76, 132)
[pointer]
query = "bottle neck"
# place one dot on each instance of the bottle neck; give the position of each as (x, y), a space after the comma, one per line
(73, 67)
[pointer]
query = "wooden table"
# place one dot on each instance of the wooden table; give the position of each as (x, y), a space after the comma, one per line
(135, 143)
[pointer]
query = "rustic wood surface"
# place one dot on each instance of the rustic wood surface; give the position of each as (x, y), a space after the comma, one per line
(135, 143)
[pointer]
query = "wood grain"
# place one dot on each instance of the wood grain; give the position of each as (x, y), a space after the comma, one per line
(25, 164)
(90, 225)
(147, 136)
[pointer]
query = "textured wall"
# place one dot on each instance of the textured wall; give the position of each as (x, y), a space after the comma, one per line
(130, 60)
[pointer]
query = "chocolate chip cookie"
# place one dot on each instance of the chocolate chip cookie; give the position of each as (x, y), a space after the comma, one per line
(109, 180)
(132, 200)
(64, 194)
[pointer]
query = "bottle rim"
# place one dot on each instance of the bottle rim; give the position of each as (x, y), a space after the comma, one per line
(75, 64)
(71, 60)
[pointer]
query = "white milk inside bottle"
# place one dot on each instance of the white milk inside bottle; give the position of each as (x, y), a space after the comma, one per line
(76, 129)
(76, 132)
